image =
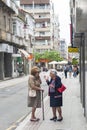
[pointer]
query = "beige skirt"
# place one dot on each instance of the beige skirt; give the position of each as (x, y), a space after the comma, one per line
(35, 101)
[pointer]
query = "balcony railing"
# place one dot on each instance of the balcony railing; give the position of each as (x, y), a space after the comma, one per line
(21, 14)
(8, 37)
(42, 29)
(42, 20)
(10, 4)
(38, 10)
(42, 37)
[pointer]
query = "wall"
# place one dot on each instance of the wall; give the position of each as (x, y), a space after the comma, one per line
(86, 74)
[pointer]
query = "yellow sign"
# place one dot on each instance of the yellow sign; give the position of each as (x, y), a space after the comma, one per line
(73, 49)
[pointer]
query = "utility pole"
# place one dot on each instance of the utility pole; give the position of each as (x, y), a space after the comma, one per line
(33, 34)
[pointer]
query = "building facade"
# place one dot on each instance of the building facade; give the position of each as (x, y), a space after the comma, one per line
(6, 48)
(56, 34)
(42, 11)
(13, 37)
(78, 9)
(63, 48)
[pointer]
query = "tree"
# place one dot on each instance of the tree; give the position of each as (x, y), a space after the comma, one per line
(48, 55)
(74, 61)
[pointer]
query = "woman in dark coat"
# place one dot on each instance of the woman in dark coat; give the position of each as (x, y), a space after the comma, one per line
(55, 96)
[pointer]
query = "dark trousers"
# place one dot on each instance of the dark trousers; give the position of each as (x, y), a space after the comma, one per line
(65, 72)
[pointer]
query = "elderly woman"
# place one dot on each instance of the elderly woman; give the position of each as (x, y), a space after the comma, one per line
(55, 96)
(34, 82)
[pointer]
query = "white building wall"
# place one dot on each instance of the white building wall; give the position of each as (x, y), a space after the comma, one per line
(41, 13)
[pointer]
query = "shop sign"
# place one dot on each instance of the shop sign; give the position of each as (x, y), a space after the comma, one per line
(73, 49)
(6, 48)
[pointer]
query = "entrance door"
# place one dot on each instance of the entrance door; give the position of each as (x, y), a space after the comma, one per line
(7, 65)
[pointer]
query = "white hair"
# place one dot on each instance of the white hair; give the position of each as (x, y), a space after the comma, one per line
(53, 72)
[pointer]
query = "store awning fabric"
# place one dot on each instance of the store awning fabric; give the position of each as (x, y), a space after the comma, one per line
(53, 62)
(25, 53)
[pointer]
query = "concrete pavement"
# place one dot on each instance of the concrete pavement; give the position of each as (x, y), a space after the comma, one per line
(73, 117)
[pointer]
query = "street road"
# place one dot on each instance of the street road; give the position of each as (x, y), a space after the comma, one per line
(13, 103)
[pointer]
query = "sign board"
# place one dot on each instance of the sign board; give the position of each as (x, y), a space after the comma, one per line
(6, 48)
(73, 49)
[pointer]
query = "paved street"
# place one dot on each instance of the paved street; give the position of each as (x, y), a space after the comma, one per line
(12, 99)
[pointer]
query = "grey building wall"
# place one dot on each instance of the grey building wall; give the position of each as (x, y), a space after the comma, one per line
(79, 22)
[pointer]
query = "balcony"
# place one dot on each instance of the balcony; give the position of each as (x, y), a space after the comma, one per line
(8, 37)
(36, 11)
(3, 35)
(21, 14)
(44, 47)
(42, 37)
(19, 41)
(44, 29)
(42, 18)
(8, 5)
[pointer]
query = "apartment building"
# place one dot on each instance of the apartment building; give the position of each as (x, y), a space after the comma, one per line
(42, 11)
(63, 49)
(13, 36)
(56, 34)
(7, 9)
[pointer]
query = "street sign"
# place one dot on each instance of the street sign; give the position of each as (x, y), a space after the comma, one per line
(73, 49)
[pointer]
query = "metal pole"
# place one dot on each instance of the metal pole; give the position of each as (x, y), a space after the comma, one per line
(42, 106)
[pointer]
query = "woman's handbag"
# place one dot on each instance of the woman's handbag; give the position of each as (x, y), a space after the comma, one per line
(61, 89)
(32, 93)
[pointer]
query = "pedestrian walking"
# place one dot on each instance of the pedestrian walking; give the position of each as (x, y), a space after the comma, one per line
(75, 71)
(55, 96)
(70, 70)
(65, 68)
(34, 92)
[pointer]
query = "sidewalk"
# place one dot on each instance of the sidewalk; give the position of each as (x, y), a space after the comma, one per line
(73, 117)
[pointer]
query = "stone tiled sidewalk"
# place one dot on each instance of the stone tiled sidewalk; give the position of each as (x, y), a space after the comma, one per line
(73, 117)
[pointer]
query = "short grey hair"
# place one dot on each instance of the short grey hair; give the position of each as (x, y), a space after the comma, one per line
(53, 72)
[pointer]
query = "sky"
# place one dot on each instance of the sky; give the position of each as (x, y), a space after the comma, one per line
(61, 8)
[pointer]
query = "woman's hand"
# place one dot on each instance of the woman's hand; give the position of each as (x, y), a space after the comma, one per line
(51, 86)
(41, 89)
(46, 78)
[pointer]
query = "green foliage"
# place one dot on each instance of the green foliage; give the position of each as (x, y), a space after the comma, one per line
(48, 55)
(74, 61)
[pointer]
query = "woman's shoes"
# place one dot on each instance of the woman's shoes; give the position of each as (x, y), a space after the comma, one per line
(53, 119)
(35, 119)
(60, 119)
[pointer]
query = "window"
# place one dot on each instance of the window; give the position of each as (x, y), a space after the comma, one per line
(41, 33)
(5, 22)
(14, 28)
(9, 24)
(43, 25)
(42, 6)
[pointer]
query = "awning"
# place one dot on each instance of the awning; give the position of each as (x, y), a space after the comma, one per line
(23, 52)
(63, 62)
(53, 62)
